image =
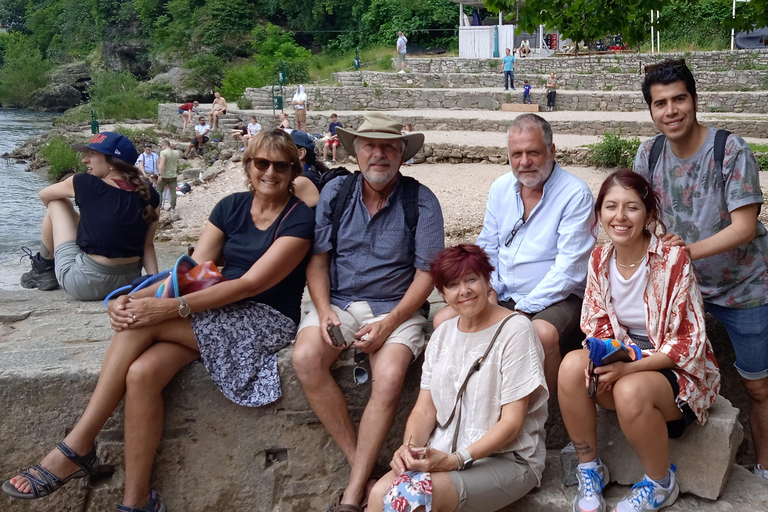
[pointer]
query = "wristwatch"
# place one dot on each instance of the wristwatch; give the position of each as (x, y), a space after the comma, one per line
(466, 457)
(184, 310)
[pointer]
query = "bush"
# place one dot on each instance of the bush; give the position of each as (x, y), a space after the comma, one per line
(61, 157)
(614, 151)
(23, 72)
(762, 162)
(207, 72)
(139, 136)
(236, 80)
(118, 95)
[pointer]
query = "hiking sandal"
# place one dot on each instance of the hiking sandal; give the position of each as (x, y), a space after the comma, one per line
(155, 504)
(43, 482)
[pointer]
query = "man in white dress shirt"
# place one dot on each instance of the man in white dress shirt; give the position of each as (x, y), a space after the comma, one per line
(538, 232)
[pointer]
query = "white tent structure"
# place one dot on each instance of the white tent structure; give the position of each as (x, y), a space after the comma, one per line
(489, 41)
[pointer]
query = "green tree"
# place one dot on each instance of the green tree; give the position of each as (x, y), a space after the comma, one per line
(23, 72)
(586, 20)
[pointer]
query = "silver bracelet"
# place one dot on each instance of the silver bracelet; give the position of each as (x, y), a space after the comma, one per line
(459, 460)
(465, 456)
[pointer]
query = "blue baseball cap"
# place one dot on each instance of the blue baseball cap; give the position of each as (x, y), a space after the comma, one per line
(111, 144)
(303, 140)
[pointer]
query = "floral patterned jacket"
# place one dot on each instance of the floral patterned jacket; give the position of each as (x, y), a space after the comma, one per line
(675, 319)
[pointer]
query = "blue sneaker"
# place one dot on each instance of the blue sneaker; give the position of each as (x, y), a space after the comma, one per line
(589, 495)
(648, 495)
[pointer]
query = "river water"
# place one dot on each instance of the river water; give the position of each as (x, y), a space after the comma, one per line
(21, 210)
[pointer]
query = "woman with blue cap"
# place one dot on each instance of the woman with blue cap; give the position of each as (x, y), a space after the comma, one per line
(106, 244)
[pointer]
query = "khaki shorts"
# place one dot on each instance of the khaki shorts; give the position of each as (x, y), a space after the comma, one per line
(400, 57)
(409, 333)
(86, 279)
(301, 115)
(492, 483)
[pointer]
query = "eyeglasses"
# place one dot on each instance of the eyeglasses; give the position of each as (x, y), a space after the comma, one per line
(360, 374)
(674, 63)
(263, 164)
(517, 227)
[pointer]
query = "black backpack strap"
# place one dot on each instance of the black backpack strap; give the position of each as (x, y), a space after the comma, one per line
(721, 137)
(656, 149)
(340, 202)
(411, 202)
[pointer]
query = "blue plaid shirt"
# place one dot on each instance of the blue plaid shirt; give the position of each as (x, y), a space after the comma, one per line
(377, 257)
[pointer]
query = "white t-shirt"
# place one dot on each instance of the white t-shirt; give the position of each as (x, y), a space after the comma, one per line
(401, 42)
(202, 129)
(627, 298)
(513, 370)
(300, 96)
(254, 129)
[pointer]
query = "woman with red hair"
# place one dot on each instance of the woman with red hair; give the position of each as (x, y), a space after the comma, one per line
(475, 438)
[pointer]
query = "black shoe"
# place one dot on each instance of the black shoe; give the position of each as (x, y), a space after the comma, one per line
(42, 276)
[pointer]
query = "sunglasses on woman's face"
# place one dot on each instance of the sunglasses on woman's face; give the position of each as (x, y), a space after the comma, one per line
(263, 164)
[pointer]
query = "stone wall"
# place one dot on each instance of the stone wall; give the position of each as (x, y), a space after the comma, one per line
(744, 80)
(318, 122)
(376, 98)
(604, 63)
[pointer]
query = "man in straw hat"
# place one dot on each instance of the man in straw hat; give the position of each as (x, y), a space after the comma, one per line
(376, 233)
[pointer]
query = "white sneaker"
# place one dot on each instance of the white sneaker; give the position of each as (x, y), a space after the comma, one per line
(761, 471)
(647, 495)
(589, 495)
(401, 72)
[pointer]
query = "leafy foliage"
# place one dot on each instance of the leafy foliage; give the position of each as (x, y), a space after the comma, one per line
(118, 95)
(587, 20)
(23, 71)
(61, 157)
(614, 151)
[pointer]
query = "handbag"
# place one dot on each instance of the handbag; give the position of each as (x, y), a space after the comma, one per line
(474, 368)
(187, 277)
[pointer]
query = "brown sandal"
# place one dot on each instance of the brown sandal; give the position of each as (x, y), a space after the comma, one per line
(337, 506)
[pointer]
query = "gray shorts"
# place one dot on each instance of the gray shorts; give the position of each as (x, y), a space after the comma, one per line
(493, 483)
(85, 279)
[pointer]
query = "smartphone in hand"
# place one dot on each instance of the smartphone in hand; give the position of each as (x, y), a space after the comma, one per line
(334, 331)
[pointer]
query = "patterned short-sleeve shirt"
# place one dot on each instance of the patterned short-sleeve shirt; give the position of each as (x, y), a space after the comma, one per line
(698, 205)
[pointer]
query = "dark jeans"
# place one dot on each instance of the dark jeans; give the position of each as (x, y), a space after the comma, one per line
(509, 78)
(526, 97)
(551, 98)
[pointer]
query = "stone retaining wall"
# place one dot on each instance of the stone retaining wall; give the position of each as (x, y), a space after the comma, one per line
(375, 98)
(705, 80)
(317, 123)
(604, 63)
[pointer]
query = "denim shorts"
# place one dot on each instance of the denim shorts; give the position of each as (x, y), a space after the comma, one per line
(748, 330)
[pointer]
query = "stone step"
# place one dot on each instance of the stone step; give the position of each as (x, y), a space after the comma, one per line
(603, 63)
(733, 80)
(637, 123)
(374, 98)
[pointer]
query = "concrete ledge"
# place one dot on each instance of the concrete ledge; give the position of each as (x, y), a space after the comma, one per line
(704, 455)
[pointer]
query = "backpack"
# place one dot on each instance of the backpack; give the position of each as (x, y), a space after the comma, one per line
(332, 174)
(340, 202)
(720, 139)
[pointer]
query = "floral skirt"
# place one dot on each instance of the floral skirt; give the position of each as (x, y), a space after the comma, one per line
(238, 346)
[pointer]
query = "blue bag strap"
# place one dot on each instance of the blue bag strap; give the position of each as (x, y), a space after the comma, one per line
(148, 280)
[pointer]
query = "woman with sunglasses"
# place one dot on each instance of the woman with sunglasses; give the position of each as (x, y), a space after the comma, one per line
(475, 438)
(106, 244)
(236, 327)
(643, 292)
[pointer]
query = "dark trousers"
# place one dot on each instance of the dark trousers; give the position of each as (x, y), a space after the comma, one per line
(551, 99)
(509, 79)
(526, 97)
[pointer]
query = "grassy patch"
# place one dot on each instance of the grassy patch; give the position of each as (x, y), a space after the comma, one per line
(613, 69)
(322, 65)
(614, 151)
(759, 148)
(61, 157)
(139, 136)
(762, 162)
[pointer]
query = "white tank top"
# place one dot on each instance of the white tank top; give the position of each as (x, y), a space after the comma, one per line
(627, 298)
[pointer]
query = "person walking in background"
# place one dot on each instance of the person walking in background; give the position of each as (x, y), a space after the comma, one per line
(526, 92)
(168, 166)
(300, 108)
(188, 111)
(402, 41)
(507, 65)
(551, 92)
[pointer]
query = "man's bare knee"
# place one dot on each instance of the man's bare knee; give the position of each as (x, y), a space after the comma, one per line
(308, 355)
(443, 315)
(757, 390)
(547, 333)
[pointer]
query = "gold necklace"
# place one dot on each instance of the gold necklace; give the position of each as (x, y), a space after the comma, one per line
(633, 265)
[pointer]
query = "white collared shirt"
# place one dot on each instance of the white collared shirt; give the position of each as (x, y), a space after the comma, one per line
(547, 259)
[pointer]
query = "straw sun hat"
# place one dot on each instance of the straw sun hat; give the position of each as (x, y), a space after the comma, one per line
(380, 126)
